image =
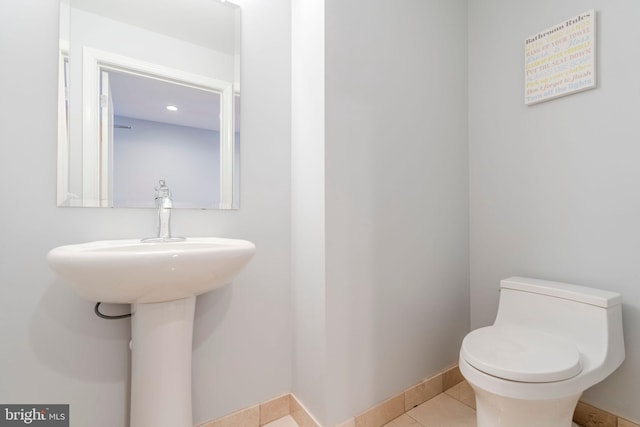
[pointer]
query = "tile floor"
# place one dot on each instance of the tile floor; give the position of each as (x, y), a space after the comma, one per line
(441, 411)
(282, 422)
(445, 410)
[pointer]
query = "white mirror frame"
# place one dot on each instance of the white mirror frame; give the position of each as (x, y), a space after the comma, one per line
(63, 134)
(95, 173)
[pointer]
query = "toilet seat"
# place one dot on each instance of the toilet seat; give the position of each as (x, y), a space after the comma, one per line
(519, 354)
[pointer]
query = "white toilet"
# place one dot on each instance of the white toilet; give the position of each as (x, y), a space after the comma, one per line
(550, 342)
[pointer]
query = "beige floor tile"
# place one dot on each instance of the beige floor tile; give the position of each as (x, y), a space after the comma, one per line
(403, 420)
(444, 411)
(351, 422)
(589, 416)
(300, 414)
(451, 377)
(382, 413)
(464, 393)
(274, 409)
(624, 423)
(422, 392)
(249, 417)
(282, 422)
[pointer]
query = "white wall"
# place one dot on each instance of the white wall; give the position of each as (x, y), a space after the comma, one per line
(98, 32)
(554, 186)
(396, 195)
(54, 349)
(379, 186)
(308, 207)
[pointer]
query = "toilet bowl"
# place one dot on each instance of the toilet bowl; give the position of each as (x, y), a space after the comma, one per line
(550, 342)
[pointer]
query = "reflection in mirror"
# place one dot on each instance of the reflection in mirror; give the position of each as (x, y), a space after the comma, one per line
(161, 129)
(148, 90)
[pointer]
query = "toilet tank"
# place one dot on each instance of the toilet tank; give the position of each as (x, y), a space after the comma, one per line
(591, 318)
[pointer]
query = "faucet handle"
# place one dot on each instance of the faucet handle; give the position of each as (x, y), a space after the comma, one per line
(162, 190)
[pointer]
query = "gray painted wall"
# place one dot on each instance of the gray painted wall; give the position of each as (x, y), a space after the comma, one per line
(553, 187)
(54, 349)
(379, 190)
(396, 195)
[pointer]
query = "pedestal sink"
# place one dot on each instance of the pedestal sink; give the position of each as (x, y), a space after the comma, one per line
(161, 280)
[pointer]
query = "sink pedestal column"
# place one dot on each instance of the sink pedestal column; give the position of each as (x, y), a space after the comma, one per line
(161, 335)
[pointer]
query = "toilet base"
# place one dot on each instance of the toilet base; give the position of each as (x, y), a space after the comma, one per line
(499, 411)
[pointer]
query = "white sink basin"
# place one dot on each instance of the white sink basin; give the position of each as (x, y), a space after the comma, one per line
(161, 280)
(130, 271)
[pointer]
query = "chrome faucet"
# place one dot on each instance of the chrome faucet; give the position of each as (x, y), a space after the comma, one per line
(164, 203)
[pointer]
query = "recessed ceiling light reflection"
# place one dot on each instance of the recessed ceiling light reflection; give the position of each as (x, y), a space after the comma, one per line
(172, 108)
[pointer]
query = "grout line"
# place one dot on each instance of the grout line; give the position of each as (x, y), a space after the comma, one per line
(417, 422)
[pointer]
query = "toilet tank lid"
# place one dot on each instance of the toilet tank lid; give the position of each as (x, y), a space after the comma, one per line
(583, 294)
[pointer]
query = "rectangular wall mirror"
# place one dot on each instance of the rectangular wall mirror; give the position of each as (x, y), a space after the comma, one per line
(149, 90)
